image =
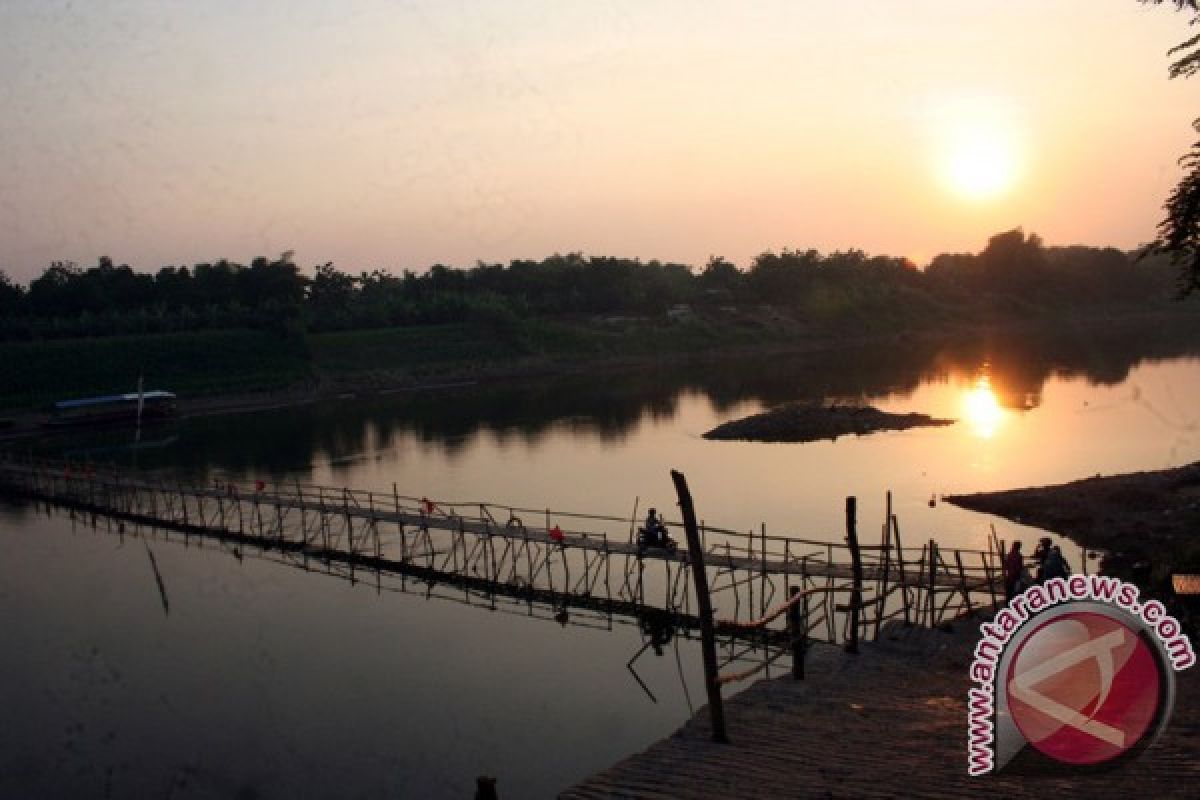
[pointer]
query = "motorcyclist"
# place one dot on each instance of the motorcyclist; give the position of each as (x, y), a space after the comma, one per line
(656, 531)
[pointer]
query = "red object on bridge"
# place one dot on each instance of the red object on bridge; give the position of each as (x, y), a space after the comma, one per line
(259, 486)
(556, 533)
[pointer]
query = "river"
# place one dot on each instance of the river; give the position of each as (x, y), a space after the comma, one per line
(259, 680)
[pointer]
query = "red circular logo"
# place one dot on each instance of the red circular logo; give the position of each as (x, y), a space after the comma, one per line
(1084, 688)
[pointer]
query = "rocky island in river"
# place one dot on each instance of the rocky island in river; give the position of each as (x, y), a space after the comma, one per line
(811, 422)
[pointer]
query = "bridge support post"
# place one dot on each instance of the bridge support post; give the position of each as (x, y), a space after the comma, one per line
(708, 644)
(931, 593)
(856, 571)
(962, 582)
(797, 622)
(895, 523)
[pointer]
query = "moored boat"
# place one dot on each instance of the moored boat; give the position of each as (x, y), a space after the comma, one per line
(156, 404)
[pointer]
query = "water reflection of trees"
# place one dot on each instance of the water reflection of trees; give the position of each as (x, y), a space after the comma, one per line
(610, 405)
(1019, 364)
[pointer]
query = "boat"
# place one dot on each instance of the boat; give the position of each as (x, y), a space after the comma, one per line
(152, 405)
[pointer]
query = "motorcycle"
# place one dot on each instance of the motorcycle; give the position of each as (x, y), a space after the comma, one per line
(655, 539)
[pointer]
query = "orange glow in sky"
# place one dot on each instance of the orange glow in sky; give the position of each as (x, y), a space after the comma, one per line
(378, 134)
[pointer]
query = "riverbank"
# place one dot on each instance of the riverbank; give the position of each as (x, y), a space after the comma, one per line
(231, 371)
(1145, 524)
(339, 371)
(890, 722)
(1150, 512)
(384, 362)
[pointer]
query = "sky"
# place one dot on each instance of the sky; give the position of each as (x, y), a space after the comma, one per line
(385, 134)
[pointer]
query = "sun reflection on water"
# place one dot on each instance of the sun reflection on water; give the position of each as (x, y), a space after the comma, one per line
(981, 409)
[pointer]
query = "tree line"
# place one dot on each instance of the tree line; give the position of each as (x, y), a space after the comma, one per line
(1014, 270)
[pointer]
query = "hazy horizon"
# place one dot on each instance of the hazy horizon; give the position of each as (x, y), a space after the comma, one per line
(383, 134)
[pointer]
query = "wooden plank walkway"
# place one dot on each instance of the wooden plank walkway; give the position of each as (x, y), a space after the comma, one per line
(890, 722)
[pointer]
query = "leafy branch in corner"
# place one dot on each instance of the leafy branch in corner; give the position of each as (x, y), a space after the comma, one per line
(1179, 232)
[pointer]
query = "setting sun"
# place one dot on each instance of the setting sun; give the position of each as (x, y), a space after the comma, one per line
(981, 166)
(978, 144)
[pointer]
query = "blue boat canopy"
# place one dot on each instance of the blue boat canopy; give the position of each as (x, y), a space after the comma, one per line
(63, 405)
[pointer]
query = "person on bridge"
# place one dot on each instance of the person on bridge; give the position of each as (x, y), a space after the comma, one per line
(656, 531)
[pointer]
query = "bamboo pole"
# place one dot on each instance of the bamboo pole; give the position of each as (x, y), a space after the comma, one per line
(797, 621)
(881, 592)
(933, 559)
(962, 580)
(762, 586)
(856, 571)
(708, 646)
(895, 524)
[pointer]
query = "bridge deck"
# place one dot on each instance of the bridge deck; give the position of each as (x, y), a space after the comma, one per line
(721, 554)
(387, 531)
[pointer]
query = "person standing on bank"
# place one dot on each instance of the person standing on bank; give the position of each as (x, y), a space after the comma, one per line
(1056, 565)
(1014, 565)
(1040, 554)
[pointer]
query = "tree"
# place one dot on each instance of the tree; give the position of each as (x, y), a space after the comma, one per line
(1012, 262)
(12, 297)
(1179, 232)
(720, 275)
(58, 292)
(784, 278)
(952, 269)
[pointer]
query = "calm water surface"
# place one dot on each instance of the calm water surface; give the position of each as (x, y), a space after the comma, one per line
(262, 680)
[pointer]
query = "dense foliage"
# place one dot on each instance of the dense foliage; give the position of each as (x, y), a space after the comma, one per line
(1179, 232)
(1014, 271)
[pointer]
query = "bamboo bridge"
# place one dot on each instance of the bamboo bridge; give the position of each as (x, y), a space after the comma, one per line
(562, 560)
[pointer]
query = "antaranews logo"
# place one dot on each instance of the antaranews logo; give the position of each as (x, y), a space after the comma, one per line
(1078, 669)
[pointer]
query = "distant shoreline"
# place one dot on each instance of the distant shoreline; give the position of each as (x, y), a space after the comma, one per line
(326, 383)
